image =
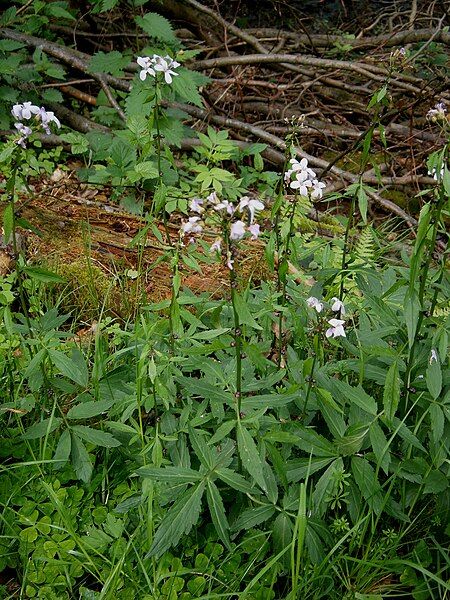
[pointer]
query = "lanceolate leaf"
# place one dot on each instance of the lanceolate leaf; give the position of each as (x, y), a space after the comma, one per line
(217, 511)
(173, 475)
(42, 428)
(80, 460)
(391, 394)
(380, 446)
(178, 521)
(234, 480)
(95, 436)
(367, 482)
(249, 455)
(254, 516)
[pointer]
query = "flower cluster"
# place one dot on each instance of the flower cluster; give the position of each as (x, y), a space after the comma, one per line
(240, 218)
(28, 111)
(438, 112)
(157, 64)
(302, 178)
(337, 306)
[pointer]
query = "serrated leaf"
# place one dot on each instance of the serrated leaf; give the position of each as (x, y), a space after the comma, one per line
(249, 455)
(380, 446)
(63, 449)
(243, 311)
(434, 376)
(435, 482)
(185, 86)
(87, 410)
(73, 369)
(157, 27)
(356, 395)
(217, 512)
(42, 428)
(173, 475)
(412, 310)
(282, 530)
(178, 521)
(367, 483)
(80, 460)
(108, 62)
(201, 449)
(253, 517)
(234, 480)
(391, 393)
(437, 422)
(95, 436)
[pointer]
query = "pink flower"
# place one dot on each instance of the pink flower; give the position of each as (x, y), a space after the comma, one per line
(237, 230)
(192, 226)
(336, 329)
(216, 246)
(254, 230)
(315, 303)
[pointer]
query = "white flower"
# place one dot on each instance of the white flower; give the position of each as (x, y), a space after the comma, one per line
(252, 204)
(157, 64)
(24, 131)
(301, 185)
(192, 226)
(212, 198)
(315, 303)
(230, 261)
(338, 306)
(254, 230)
(24, 111)
(237, 230)
(301, 168)
(438, 112)
(317, 193)
(225, 205)
(433, 356)
(147, 67)
(336, 329)
(216, 246)
(435, 175)
(46, 118)
(196, 205)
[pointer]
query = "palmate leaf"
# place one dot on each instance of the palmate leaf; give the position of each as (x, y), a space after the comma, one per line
(178, 521)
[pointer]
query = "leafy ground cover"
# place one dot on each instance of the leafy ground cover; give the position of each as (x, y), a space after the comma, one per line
(274, 422)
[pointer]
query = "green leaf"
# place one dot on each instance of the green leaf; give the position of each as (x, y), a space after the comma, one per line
(8, 222)
(201, 449)
(179, 520)
(95, 436)
(245, 316)
(356, 395)
(367, 483)
(434, 376)
(156, 27)
(42, 428)
(380, 446)
(437, 422)
(362, 202)
(43, 275)
(110, 62)
(87, 410)
(435, 482)
(210, 334)
(185, 86)
(80, 460)
(282, 531)
(234, 480)
(217, 511)
(412, 310)
(253, 517)
(72, 368)
(172, 475)
(249, 455)
(63, 449)
(325, 484)
(313, 443)
(391, 393)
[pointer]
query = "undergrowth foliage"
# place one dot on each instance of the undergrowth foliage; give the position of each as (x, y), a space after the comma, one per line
(289, 440)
